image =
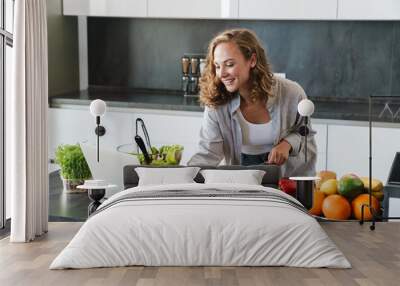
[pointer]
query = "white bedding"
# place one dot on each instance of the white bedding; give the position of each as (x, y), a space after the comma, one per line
(200, 231)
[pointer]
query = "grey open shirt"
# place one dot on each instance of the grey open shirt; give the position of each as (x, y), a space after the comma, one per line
(221, 136)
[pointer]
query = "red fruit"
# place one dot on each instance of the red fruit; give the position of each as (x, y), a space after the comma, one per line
(288, 186)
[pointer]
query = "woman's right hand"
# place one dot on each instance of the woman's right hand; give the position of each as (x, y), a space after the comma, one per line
(280, 153)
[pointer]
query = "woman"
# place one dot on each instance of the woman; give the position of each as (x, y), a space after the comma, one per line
(250, 116)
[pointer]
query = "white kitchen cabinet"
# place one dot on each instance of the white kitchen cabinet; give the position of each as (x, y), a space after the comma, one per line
(106, 8)
(368, 10)
(167, 129)
(288, 9)
(348, 150)
(71, 126)
(205, 9)
(341, 148)
(385, 144)
(320, 139)
(77, 125)
(238, 9)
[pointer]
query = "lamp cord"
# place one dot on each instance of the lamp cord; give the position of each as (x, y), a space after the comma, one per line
(98, 141)
(305, 138)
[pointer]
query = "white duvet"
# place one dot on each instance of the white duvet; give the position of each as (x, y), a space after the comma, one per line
(200, 231)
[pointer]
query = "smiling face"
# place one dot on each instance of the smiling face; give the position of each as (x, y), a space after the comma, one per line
(236, 61)
(232, 68)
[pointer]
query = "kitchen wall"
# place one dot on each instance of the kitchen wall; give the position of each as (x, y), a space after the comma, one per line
(328, 58)
(63, 54)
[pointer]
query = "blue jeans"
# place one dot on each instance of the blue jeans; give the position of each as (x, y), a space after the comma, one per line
(258, 159)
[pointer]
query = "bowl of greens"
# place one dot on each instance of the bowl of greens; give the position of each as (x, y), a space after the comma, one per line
(165, 155)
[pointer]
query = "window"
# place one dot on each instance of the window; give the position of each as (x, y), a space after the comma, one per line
(6, 43)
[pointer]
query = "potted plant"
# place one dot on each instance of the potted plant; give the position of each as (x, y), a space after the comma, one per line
(74, 168)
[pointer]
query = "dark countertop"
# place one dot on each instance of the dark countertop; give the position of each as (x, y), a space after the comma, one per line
(325, 107)
(130, 98)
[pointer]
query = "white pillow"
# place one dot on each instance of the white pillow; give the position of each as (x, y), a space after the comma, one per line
(166, 176)
(249, 177)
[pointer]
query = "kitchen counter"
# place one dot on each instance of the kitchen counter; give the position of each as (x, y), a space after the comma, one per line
(355, 109)
(130, 98)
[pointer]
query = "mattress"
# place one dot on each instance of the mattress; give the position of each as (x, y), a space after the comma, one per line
(201, 225)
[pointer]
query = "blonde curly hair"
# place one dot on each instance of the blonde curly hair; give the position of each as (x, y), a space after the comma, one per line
(213, 92)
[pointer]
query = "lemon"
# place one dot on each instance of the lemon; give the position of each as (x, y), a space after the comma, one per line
(376, 184)
(324, 175)
(329, 187)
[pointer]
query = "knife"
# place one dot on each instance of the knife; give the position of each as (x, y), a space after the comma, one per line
(142, 147)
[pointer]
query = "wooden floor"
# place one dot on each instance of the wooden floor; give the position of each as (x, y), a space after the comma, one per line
(374, 255)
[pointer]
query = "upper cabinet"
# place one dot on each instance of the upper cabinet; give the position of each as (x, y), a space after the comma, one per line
(106, 8)
(205, 9)
(288, 9)
(368, 9)
(239, 9)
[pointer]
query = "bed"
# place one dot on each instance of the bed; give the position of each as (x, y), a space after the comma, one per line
(201, 224)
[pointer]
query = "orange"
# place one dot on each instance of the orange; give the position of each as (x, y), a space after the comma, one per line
(318, 198)
(336, 207)
(364, 199)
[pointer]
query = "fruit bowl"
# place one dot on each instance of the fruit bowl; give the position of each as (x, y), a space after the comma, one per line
(342, 199)
(165, 155)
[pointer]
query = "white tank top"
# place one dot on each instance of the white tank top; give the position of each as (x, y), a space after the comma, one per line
(257, 138)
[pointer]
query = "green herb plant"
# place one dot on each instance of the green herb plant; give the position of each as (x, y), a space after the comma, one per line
(72, 162)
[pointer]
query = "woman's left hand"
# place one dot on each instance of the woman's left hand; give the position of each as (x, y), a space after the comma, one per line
(280, 153)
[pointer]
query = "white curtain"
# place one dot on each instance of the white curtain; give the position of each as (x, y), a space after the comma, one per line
(28, 150)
